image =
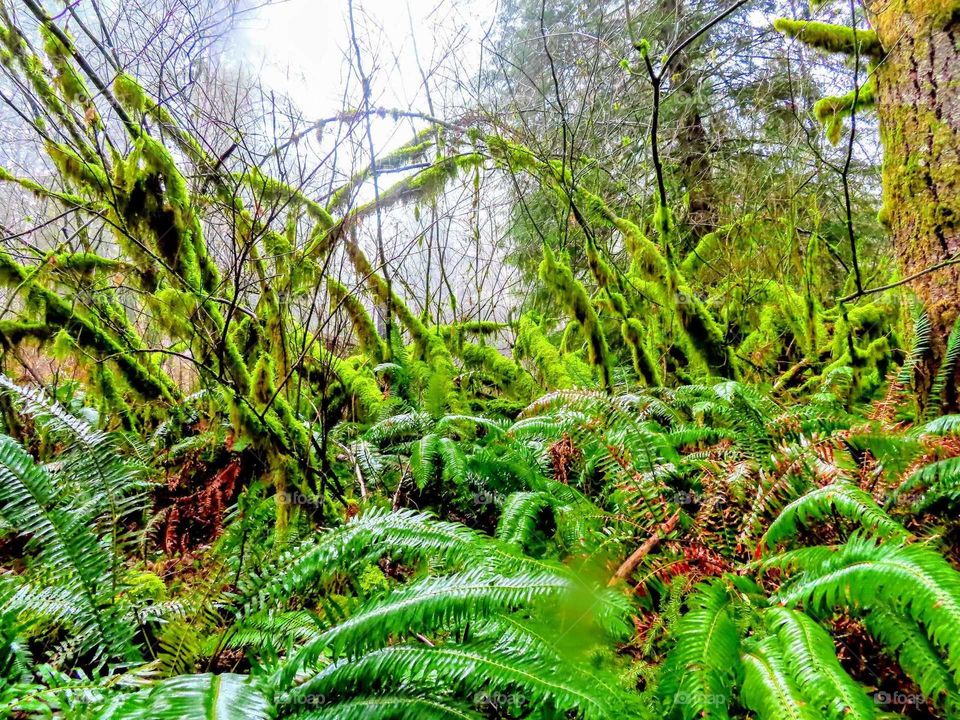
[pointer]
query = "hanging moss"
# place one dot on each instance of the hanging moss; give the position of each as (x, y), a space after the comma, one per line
(531, 343)
(424, 184)
(15, 332)
(829, 37)
(83, 263)
(86, 175)
(607, 279)
(67, 78)
(111, 397)
(706, 249)
(558, 277)
(86, 331)
(506, 374)
(471, 327)
(363, 326)
(129, 93)
(832, 110)
(273, 191)
(646, 367)
(360, 385)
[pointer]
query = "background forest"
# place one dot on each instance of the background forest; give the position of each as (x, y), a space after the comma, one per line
(531, 359)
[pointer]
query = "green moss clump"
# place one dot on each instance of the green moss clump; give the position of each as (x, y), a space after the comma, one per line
(832, 110)
(15, 332)
(646, 367)
(271, 190)
(129, 93)
(70, 83)
(506, 374)
(531, 343)
(357, 381)
(363, 326)
(87, 175)
(829, 37)
(558, 277)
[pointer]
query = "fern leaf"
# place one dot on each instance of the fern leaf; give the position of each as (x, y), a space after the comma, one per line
(862, 574)
(839, 497)
(198, 697)
(769, 689)
(701, 668)
(811, 658)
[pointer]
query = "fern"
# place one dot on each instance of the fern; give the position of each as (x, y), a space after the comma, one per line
(945, 373)
(811, 658)
(906, 642)
(862, 574)
(840, 497)
(700, 671)
(519, 515)
(198, 697)
(769, 689)
(85, 595)
(940, 481)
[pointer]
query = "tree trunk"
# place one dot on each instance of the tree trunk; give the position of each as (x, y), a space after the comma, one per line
(918, 101)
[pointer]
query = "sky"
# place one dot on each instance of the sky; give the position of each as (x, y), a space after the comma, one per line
(299, 46)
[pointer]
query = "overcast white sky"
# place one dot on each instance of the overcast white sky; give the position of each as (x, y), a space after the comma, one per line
(298, 46)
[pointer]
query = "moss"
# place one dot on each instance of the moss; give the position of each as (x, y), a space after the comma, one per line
(159, 202)
(67, 78)
(705, 250)
(646, 367)
(129, 93)
(358, 382)
(607, 279)
(86, 331)
(15, 332)
(506, 374)
(531, 343)
(832, 110)
(84, 263)
(663, 222)
(364, 329)
(273, 191)
(424, 184)
(829, 37)
(558, 277)
(89, 176)
(472, 327)
(111, 397)
(429, 343)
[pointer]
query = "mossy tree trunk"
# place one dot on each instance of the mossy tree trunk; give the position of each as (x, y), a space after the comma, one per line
(918, 102)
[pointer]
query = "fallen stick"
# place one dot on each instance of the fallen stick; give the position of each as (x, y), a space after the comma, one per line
(630, 564)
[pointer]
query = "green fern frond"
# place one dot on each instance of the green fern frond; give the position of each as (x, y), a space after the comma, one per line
(940, 481)
(838, 498)
(811, 659)
(701, 669)
(945, 373)
(862, 574)
(906, 642)
(198, 697)
(519, 514)
(769, 688)
(466, 670)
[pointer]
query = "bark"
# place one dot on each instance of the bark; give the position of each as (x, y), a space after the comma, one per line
(918, 102)
(693, 145)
